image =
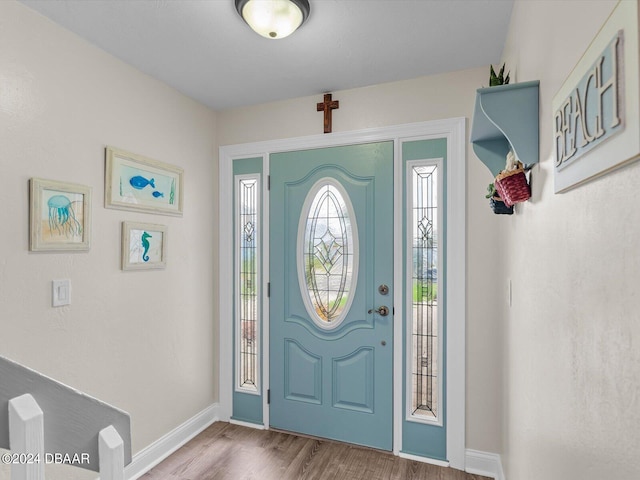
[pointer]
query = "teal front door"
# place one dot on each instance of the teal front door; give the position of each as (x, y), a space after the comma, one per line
(331, 293)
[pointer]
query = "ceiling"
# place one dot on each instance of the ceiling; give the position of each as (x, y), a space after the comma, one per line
(205, 50)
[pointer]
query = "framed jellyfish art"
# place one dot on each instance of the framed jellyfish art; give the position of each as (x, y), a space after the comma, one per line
(60, 216)
(144, 246)
(134, 182)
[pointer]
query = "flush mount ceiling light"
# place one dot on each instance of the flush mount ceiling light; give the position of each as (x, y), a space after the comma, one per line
(273, 19)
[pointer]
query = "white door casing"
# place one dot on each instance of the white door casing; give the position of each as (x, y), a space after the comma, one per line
(451, 129)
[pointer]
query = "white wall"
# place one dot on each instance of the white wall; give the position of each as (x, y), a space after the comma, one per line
(427, 98)
(571, 343)
(143, 341)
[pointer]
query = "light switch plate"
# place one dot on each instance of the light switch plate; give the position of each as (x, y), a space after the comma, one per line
(61, 292)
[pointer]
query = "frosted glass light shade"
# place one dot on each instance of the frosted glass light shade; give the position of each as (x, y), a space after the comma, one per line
(273, 19)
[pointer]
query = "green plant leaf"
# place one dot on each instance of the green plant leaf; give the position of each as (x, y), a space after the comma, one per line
(498, 79)
(491, 191)
(493, 78)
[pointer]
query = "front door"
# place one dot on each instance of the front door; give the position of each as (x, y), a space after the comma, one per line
(331, 312)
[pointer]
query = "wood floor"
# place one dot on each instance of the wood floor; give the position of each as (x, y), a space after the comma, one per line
(231, 452)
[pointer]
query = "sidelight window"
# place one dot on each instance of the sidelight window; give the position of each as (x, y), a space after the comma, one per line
(424, 275)
(247, 237)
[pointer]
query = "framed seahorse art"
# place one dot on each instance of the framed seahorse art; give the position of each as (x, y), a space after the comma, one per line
(60, 216)
(134, 182)
(144, 246)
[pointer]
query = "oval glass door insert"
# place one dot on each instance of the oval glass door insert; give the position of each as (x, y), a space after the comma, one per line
(327, 253)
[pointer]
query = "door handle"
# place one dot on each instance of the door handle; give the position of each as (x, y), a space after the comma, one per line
(383, 311)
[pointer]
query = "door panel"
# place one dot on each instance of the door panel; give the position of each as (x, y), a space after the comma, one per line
(302, 374)
(353, 381)
(331, 360)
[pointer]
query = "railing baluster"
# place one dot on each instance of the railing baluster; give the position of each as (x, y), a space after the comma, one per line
(26, 438)
(111, 454)
(74, 420)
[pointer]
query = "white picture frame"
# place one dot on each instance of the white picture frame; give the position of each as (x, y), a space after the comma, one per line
(59, 216)
(137, 183)
(144, 246)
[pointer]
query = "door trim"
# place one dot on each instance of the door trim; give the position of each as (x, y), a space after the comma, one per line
(454, 130)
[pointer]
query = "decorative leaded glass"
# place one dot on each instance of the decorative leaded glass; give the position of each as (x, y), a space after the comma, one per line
(424, 311)
(247, 282)
(328, 254)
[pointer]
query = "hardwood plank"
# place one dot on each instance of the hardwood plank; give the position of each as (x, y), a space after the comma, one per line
(231, 452)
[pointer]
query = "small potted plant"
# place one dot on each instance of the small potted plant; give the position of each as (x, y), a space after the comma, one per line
(500, 79)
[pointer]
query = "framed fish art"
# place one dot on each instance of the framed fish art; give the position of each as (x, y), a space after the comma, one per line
(60, 216)
(144, 246)
(133, 182)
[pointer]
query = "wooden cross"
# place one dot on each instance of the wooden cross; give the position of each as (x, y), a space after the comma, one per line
(327, 106)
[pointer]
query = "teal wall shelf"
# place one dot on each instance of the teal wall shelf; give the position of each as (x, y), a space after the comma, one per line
(506, 118)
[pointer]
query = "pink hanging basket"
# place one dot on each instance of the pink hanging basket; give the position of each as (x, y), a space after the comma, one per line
(512, 186)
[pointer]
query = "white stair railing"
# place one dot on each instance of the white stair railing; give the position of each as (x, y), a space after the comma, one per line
(80, 430)
(111, 454)
(26, 437)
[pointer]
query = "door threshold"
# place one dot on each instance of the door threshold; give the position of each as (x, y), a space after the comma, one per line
(328, 440)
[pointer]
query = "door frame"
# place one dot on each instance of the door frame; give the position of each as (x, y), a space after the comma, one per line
(454, 130)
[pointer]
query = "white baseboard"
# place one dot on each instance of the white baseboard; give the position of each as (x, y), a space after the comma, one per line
(483, 463)
(478, 463)
(152, 455)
